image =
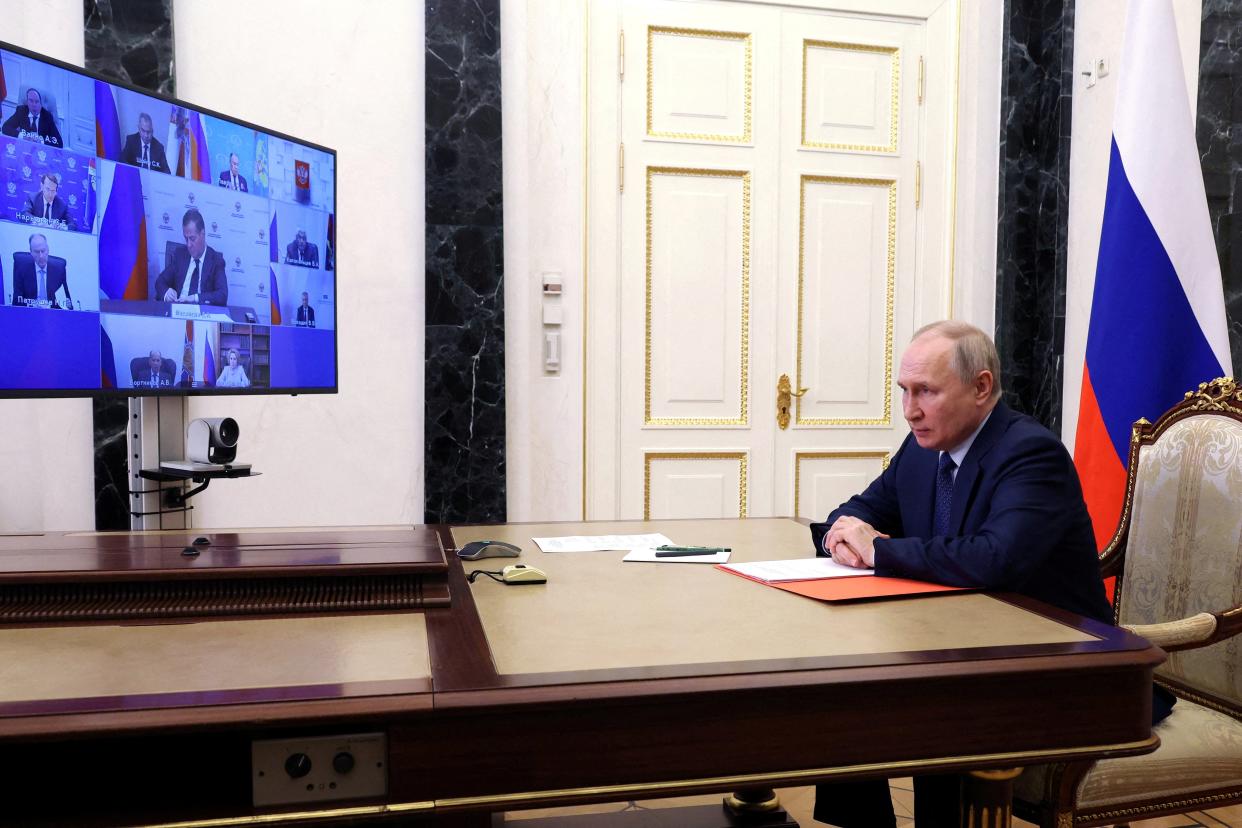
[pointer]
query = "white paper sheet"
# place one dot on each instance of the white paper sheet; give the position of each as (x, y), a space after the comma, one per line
(648, 555)
(798, 569)
(599, 543)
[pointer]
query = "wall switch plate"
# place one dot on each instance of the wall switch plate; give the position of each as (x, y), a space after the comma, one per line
(319, 768)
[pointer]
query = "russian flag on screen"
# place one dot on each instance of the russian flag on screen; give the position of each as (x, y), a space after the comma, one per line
(107, 124)
(107, 360)
(123, 238)
(1157, 325)
(209, 365)
(275, 292)
(200, 158)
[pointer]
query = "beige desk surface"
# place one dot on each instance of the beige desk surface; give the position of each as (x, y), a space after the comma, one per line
(81, 662)
(597, 612)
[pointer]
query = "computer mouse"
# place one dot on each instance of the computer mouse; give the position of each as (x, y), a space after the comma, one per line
(523, 574)
(476, 550)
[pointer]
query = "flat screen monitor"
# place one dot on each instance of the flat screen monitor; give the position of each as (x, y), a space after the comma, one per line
(149, 246)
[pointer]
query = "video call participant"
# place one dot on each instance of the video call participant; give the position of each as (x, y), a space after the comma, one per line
(1021, 524)
(301, 252)
(142, 149)
(232, 179)
(32, 122)
(156, 376)
(35, 282)
(46, 207)
(196, 272)
(233, 375)
(306, 314)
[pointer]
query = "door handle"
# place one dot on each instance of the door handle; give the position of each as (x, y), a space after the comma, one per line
(784, 395)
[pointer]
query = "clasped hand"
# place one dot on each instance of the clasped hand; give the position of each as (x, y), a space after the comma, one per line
(852, 542)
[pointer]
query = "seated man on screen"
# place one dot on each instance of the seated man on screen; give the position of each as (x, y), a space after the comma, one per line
(38, 282)
(978, 495)
(156, 376)
(233, 374)
(142, 149)
(195, 274)
(46, 207)
(32, 122)
(306, 314)
(231, 178)
(301, 252)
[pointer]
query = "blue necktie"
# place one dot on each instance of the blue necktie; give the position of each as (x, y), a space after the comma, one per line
(944, 495)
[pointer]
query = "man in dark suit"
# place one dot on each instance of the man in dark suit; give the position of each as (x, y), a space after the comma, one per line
(306, 314)
(155, 376)
(301, 252)
(46, 207)
(231, 178)
(32, 122)
(979, 496)
(142, 149)
(196, 272)
(37, 281)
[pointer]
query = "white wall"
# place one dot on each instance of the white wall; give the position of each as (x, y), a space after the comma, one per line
(46, 456)
(542, 63)
(1098, 29)
(978, 163)
(318, 69)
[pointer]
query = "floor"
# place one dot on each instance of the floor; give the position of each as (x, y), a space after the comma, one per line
(799, 802)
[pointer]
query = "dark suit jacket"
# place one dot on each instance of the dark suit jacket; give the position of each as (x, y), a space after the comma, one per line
(20, 120)
(1018, 524)
(131, 153)
(306, 315)
(140, 372)
(213, 283)
(60, 210)
(26, 281)
(309, 257)
(226, 181)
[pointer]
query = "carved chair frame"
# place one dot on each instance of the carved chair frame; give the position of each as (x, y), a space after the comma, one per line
(1221, 397)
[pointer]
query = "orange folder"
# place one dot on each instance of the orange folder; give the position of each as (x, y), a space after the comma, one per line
(857, 588)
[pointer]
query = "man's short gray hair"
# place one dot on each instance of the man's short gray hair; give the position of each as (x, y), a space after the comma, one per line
(973, 350)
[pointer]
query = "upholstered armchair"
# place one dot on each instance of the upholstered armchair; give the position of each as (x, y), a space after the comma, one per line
(1177, 557)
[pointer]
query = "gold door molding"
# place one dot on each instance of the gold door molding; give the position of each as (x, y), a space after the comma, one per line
(890, 287)
(883, 456)
(743, 417)
(894, 95)
(745, 39)
(742, 474)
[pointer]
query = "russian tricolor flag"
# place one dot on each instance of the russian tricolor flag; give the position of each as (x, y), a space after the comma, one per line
(1157, 325)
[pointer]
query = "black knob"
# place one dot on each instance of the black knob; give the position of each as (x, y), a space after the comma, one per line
(343, 762)
(297, 765)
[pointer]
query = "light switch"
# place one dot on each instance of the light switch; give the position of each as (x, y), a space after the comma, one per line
(552, 350)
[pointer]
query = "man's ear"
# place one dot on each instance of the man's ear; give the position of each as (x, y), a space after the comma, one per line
(983, 385)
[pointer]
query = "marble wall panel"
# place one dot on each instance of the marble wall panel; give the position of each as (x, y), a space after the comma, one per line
(1219, 133)
(131, 41)
(465, 369)
(1036, 87)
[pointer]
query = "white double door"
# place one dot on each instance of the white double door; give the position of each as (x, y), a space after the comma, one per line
(783, 211)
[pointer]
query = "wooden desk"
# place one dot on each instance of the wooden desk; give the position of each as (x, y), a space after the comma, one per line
(613, 681)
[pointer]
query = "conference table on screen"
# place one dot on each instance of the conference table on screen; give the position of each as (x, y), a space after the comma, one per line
(613, 681)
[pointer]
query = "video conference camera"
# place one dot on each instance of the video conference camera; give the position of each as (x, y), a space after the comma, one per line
(212, 440)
